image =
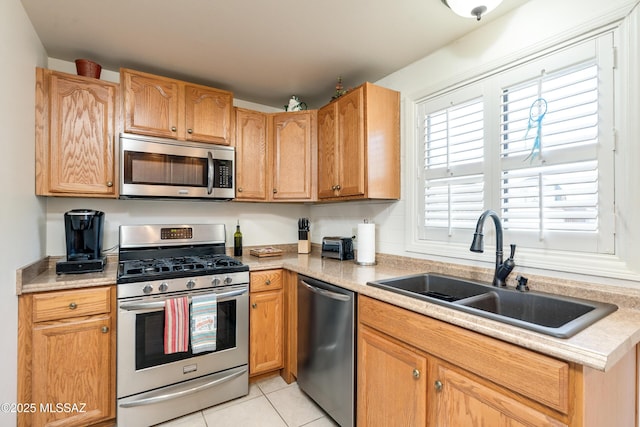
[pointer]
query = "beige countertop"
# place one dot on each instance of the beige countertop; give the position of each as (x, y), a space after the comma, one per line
(599, 346)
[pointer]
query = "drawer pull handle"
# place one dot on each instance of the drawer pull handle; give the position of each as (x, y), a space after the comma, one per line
(73, 306)
(267, 282)
(438, 385)
(416, 373)
(105, 329)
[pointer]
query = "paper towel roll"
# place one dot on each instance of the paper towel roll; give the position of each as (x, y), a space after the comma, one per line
(366, 244)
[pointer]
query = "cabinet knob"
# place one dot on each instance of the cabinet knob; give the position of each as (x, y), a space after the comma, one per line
(416, 373)
(254, 305)
(109, 184)
(73, 306)
(189, 130)
(438, 385)
(334, 187)
(275, 190)
(267, 282)
(338, 187)
(105, 329)
(173, 129)
(240, 190)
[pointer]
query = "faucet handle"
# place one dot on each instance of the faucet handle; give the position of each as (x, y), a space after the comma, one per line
(513, 250)
(522, 283)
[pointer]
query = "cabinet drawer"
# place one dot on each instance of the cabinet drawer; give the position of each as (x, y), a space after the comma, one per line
(65, 304)
(266, 280)
(536, 376)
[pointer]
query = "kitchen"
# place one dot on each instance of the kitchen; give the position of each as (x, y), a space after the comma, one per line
(38, 221)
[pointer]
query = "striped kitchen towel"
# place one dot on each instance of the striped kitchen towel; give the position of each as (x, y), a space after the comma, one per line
(176, 325)
(204, 322)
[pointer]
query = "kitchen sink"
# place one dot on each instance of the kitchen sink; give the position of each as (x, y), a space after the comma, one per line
(432, 286)
(549, 314)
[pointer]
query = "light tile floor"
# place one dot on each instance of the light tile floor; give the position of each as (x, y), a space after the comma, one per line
(271, 402)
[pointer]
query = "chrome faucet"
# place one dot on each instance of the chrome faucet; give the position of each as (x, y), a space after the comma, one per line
(502, 268)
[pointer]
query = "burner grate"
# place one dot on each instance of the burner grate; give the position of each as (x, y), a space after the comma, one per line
(179, 266)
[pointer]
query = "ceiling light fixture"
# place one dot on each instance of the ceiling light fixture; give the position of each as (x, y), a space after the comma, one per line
(471, 8)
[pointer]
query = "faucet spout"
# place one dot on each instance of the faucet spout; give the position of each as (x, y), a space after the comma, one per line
(502, 269)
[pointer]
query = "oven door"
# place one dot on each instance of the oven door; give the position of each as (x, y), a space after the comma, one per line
(156, 167)
(142, 364)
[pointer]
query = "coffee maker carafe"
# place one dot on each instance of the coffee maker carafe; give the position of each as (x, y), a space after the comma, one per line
(83, 235)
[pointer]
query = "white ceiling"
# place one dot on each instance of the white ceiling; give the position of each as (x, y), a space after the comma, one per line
(263, 51)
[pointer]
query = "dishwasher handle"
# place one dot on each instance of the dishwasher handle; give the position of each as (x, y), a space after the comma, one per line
(326, 293)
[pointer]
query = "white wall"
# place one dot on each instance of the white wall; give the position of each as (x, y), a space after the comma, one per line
(260, 223)
(21, 214)
(537, 24)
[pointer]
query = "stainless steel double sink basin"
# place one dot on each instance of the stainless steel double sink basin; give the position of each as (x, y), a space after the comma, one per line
(549, 314)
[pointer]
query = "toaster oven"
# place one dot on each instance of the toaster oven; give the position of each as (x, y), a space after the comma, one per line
(337, 247)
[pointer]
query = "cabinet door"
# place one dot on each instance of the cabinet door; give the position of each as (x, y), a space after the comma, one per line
(293, 145)
(391, 383)
(327, 151)
(351, 144)
(251, 155)
(266, 343)
(72, 372)
(150, 104)
(207, 114)
(80, 159)
(462, 401)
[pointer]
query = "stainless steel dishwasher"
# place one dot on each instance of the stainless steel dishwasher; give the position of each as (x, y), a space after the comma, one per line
(326, 347)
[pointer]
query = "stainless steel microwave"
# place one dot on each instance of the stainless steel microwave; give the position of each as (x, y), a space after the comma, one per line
(157, 167)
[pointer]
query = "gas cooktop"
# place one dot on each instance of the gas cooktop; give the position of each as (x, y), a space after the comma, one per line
(174, 267)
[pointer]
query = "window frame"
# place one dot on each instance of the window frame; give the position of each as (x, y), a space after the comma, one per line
(617, 265)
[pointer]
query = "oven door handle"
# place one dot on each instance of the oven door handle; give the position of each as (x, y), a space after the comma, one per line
(177, 391)
(135, 306)
(210, 172)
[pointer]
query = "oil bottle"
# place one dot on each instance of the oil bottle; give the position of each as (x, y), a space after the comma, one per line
(237, 241)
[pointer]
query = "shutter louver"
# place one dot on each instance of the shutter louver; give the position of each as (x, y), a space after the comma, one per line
(555, 189)
(454, 153)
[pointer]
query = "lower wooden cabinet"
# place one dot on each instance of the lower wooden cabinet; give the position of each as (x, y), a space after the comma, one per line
(462, 400)
(66, 362)
(417, 371)
(391, 382)
(266, 322)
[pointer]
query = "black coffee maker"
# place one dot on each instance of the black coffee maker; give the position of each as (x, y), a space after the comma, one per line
(83, 232)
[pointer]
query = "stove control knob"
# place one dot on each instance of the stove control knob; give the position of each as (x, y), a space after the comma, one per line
(191, 284)
(147, 289)
(164, 287)
(227, 280)
(215, 281)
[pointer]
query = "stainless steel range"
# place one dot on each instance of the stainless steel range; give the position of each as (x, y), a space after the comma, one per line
(159, 264)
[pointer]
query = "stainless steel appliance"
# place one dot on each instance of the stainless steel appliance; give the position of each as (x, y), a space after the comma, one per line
(326, 347)
(157, 167)
(83, 236)
(159, 262)
(337, 247)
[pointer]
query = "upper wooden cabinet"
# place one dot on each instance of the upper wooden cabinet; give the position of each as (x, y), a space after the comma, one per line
(294, 145)
(359, 145)
(75, 131)
(251, 155)
(276, 156)
(169, 108)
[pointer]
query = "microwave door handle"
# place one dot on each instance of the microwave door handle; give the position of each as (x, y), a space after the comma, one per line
(209, 172)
